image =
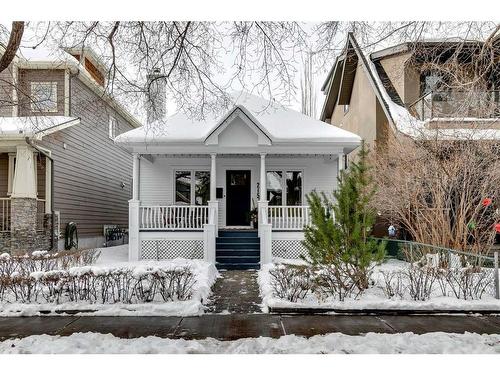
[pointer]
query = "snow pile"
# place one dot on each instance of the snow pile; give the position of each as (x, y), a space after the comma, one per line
(374, 297)
(337, 343)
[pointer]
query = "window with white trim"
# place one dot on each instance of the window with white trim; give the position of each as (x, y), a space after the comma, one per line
(192, 187)
(112, 127)
(284, 186)
(12, 168)
(44, 96)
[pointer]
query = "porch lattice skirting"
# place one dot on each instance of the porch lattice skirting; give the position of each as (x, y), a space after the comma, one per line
(170, 249)
(288, 249)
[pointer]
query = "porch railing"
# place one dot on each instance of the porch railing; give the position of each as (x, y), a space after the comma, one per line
(288, 217)
(4, 214)
(173, 217)
(457, 104)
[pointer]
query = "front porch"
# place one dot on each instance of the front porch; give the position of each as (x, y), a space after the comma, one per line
(191, 206)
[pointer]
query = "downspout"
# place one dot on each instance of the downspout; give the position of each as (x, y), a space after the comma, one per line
(28, 141)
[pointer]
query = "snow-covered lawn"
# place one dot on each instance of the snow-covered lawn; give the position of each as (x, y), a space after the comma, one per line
(371, 343)
(373, 297)
(117, 258)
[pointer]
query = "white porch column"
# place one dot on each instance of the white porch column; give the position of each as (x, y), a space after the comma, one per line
(135, 177)
(262, 204)
(213, 203)
(24, 184)
(265, 229)
(341, 163)
(133, 213)
(266, 255)
(262, 185)
(209, 234)
(213, 178)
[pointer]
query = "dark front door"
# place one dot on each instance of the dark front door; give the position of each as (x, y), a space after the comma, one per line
(237, 197)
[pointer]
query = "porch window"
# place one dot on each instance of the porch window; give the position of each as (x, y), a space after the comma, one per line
(293, 188)
(183, 187)
(192, 187)
(202, 188)
(274, 185)
(277, 194)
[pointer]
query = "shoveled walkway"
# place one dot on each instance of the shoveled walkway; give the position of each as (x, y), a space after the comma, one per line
(235, 326)
(235, 292)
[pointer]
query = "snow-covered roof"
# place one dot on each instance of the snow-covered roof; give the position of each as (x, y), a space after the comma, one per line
(15, 127)
(277, 122)
(45, 54)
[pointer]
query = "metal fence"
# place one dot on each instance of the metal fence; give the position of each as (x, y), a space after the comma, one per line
(445, 258)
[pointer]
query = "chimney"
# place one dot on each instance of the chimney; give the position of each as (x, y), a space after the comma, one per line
(156, 96)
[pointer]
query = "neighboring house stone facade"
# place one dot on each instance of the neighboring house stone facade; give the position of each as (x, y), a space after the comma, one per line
(58, 160)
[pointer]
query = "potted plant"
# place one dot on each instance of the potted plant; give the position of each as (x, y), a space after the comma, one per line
(253, 215)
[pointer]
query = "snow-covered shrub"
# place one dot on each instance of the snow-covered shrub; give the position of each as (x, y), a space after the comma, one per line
(42, 261)
(176, 284)
(291, 282)
(420, 281)
(25, 288)
(98, 285)
(333, 281)
(469, 282)
(51, 285)
(393, 284)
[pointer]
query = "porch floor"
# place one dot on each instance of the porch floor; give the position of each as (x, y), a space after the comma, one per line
(235, 292)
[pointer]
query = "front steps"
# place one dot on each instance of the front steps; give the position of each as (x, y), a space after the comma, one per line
(237, 250)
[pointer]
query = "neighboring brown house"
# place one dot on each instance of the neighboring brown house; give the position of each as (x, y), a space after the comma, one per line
(394, 90)
(58, 159)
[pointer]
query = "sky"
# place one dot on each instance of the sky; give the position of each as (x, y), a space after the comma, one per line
(319, 71)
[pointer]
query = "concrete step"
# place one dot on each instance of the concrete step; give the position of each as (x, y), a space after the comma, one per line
(237, 259)
(238, 239)
(238, 233)
(237, 266)
(237, 252)
(242, 246)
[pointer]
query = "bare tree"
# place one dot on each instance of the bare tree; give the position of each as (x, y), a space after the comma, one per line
(201, 61)
(15, 38)
(193, 58)
(441, 192)
(307, 87)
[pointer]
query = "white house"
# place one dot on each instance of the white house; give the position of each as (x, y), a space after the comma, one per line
(195, 182)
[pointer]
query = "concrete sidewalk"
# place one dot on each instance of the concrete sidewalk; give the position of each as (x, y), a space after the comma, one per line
(235, 326)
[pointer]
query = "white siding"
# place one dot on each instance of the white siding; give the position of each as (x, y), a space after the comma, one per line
(156, 184)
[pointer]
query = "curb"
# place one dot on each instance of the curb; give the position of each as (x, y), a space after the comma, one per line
(322, 311)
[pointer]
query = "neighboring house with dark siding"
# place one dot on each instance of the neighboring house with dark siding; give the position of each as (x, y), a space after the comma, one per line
(58, 160)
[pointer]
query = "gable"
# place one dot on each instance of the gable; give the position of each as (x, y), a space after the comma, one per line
(238, 134)
(238, 129)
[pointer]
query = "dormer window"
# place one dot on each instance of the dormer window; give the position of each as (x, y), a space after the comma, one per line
(44, 96)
